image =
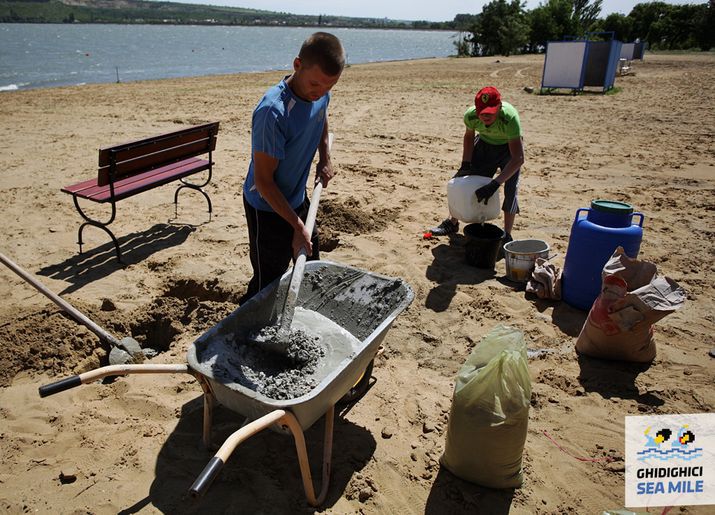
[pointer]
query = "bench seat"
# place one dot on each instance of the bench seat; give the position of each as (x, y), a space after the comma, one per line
(131, 168)
(134, 184)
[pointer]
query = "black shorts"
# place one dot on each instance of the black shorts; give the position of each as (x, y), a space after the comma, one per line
(270, 240)
(486, 159)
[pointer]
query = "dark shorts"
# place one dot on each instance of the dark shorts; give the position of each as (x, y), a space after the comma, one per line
(486, 159)
(270, 240)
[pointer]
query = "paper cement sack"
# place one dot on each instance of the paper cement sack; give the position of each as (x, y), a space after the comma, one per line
(633, 297)
(490, 412)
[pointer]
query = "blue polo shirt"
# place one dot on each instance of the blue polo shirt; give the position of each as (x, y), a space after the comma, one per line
(289, 129)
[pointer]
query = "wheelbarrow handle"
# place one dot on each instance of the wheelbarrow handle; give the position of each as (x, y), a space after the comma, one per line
(214, 466)
(281, 418)
(60, 386)
(207, 476)
(112, 370)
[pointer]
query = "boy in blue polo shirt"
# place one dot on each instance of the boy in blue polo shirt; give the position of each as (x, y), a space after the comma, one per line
(492, 140)
(289, 124)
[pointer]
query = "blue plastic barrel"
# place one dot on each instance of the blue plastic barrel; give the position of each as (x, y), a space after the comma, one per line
(594, 237)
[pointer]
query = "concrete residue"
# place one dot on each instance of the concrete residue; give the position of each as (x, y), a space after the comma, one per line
(355, 300)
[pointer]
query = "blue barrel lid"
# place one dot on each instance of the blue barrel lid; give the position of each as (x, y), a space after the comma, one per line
(612, 206)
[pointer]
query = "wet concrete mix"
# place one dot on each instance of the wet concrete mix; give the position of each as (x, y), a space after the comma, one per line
(355, 303)
(276, 374)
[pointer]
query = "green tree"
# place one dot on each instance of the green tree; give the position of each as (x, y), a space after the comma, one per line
(463, 43)
(677, 29)
(584, 14)
(619, 24)
(465, 21)
(501, 28)
(673, 27)
(550, 22)
(705, 30)
(645, 17)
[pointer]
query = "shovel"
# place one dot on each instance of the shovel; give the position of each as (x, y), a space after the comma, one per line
(126, 350)
(278, 339)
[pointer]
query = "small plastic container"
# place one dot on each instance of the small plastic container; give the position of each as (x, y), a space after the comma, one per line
(463, 203)
(520, 257)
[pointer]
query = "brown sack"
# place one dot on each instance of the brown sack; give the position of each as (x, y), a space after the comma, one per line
(633, 297)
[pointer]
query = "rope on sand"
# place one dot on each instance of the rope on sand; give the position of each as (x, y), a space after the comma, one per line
(579, 458)
(605, 458)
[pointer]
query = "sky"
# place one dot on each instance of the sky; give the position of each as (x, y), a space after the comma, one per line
(432, 10)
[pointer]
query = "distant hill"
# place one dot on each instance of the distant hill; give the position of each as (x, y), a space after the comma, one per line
(172, 13)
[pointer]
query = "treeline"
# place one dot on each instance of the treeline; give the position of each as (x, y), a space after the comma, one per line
(505, 27)
(171, 13)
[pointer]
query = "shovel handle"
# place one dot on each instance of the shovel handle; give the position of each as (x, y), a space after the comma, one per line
(296, 277)
(69, 309)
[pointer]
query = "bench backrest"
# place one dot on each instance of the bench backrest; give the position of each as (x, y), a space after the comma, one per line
(149, 153)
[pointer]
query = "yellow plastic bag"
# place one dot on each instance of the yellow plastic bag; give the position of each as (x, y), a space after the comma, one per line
(490, 412)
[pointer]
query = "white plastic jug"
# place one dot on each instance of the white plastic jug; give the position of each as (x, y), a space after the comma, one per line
(463, 203)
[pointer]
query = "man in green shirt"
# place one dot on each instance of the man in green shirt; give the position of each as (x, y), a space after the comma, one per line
(492, 140)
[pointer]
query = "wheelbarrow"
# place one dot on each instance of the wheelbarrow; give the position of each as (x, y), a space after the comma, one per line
(361, 303)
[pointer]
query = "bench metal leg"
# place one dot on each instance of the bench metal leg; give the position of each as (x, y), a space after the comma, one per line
(100, 225)
(105, 229)
(195, 188)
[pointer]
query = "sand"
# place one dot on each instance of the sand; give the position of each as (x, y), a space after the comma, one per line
(133, 445)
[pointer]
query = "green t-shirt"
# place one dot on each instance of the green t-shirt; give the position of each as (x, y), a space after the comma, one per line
(506, 127)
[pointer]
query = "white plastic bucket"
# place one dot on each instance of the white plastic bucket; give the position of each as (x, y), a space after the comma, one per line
(520, 257)
(463, 203)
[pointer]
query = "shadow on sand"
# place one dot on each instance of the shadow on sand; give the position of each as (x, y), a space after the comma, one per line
(450, 269)
(261, 476)
(568, 319)
(101, 261)
(451, 494)
(615, 379)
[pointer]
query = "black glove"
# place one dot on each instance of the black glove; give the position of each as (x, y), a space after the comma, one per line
(466, 166)
(485, 192)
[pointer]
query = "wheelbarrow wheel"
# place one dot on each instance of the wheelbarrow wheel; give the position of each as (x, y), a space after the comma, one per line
(360, 388)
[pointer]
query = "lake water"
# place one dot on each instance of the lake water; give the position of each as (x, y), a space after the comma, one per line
(46, 55)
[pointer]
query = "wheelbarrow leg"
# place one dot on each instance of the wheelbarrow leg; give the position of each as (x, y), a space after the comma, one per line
(295, 428)
(208, 409)
(285, 419)
(214, 466)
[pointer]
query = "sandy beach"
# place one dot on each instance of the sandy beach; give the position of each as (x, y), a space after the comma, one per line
(134, 445)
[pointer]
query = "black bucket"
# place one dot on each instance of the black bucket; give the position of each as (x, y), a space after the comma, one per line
(483, 242)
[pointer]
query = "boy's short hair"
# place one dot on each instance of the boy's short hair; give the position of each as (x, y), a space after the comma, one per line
(325, 50)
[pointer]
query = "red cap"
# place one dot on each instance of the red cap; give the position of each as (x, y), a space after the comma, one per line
(487, 100)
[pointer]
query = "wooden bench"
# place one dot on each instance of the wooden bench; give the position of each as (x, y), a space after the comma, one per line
(130, 168)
